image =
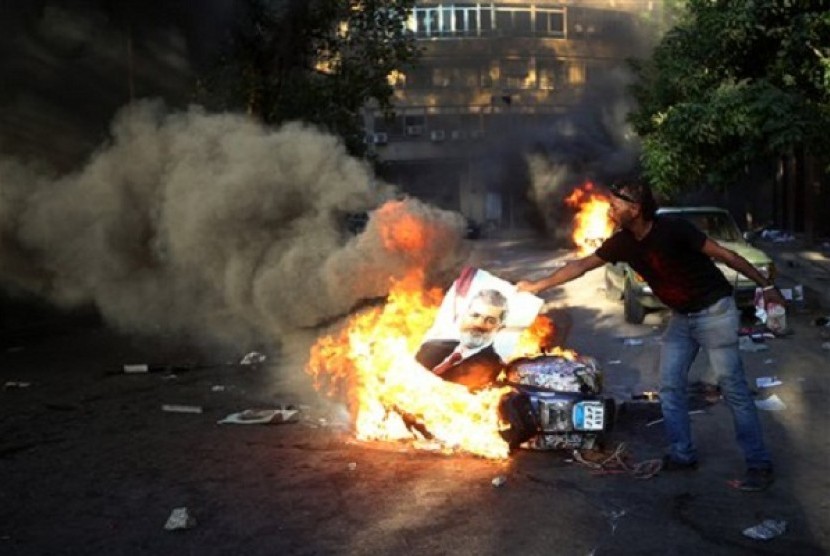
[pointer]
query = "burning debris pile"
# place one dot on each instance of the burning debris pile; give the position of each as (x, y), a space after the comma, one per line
(371, 361)
(395, 396)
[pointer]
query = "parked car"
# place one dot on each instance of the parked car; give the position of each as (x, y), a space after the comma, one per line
(621, 282)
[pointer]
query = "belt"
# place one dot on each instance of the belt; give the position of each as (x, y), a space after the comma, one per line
(715, 308)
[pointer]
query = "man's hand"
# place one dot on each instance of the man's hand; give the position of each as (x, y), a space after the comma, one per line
(527, 286)
(773, 296)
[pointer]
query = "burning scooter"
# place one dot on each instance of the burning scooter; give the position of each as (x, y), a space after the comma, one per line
(487, 334)
(484, 378)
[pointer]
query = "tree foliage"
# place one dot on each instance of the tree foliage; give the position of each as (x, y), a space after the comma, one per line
(318, 61)
(733, 83)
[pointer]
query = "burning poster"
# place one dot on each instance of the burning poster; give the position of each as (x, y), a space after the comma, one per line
(477, 329)
(371, 361)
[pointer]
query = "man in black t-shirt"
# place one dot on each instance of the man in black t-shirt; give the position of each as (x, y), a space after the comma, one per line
(675, 259)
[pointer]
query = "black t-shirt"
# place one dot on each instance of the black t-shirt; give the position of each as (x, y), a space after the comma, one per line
(670, 260)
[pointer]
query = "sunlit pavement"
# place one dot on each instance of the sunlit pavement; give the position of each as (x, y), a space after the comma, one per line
(591, 324)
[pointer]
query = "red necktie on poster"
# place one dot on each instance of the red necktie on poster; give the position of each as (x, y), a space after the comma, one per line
(444, 365)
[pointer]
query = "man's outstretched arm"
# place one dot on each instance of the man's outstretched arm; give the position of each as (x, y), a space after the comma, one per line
(571, 270)
(736, 262)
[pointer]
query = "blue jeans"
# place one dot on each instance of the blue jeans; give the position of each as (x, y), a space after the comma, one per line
(715, 329)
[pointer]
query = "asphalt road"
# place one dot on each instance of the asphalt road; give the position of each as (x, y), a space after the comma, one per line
(90, 464)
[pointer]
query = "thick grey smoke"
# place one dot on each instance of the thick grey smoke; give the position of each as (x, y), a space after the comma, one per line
(211, 225)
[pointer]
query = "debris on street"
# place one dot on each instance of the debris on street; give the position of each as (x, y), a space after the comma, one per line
(352, 466)
(261, 417)
(773, 403)
(145, 368)
(766, 530)
(499, 481)
(141, 368)
(616, 464)
(253, 358)
(180, 519)
(647, 396)
(767, 381)
(174, 408)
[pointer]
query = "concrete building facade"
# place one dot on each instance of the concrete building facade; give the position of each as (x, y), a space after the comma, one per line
(492, 74)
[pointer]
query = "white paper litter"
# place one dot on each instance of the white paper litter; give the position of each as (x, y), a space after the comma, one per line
(142, 368)
(180, 518)
(773, 403)
(253, 358)
(767, 381)
(766, 530)
(499, 481)
(261, 417)
(173, 408)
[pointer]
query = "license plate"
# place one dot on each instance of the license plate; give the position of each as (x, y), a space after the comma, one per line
(589, 415)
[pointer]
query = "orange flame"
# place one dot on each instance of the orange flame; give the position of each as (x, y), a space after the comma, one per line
(591, 223)
(538, 340)
(371, 360)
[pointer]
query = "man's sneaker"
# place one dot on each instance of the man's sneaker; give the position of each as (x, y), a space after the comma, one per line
(755, 480)
(670, 464)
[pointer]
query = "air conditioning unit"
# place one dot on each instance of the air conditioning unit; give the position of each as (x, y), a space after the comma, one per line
(380, 138)
(437, 135)
(458, 135)
(413, 130)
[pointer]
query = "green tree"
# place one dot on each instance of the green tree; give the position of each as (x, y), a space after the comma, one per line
(318, 61)
(735, 82)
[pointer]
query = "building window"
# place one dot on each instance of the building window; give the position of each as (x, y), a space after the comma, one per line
(467, 19)
(550, 22)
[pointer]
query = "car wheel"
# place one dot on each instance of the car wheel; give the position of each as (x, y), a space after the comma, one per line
(611, 292)
(633, 310)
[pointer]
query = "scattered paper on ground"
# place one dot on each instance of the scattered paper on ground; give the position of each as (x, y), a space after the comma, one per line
(766, 530)
(261, 417)
(253, 358)
(179, 518)
(767, 381)
(173, 408)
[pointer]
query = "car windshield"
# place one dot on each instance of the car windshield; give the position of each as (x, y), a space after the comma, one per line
(720, 226)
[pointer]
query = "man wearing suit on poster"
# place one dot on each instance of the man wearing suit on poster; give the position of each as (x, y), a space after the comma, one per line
(470, 359)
